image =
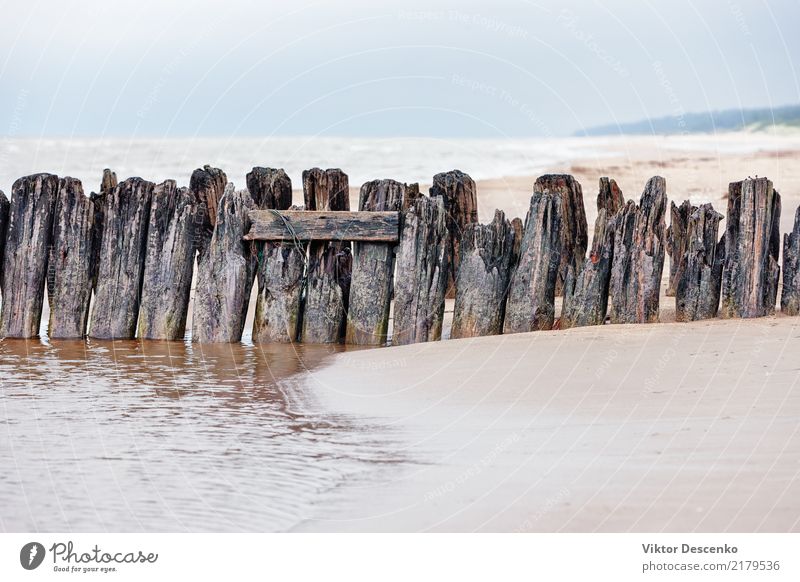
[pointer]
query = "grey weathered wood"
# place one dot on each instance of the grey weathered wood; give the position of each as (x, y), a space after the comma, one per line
(574, 233)
(281, 266)
(373, 268)
(126, 212)
(699, 271)
(482, 284)
(677, 240)
(168, 264)
(330, 263)
(586, 292)
(609, 197)
(308, 225)
(752, 245)
(225, 273)
(4, 206)
(790, 294)
(71, 261)
(638, 262)
(208, 185)
(107, 185)
(460, 197)
(27, 249)
(412, 194)
(531, 299)
(423, 264)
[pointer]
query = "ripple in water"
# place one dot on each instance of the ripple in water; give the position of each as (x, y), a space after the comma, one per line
(149, 436)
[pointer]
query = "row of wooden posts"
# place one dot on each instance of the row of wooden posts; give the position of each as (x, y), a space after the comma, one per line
(325, 274)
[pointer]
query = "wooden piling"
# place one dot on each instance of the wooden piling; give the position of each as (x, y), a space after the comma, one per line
(27, 249)
(531, 299)
(699, 271)
(4, 206)
(458, 192)
(208, 186)
(107, 185)
(71, 262)
(752, 244)
(574, 234)
(790, 294)
(126, 213)
(280, 265)
(638, 262)
(168, 264)
(373, 269)
(609, 197)
(225, 273)
(423, 263)
(330, 263)
(482, 283)
(677, 240)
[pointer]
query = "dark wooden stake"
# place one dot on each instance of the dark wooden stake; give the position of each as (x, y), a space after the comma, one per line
(487, 260)
(107, 185)
(225, 273)
(790, 294)
(4, 206)
(677, 241)
(373, 269)
(752, 244)
(330, 263)
(574, 233)
(609, 197)
(531, 300)
(169, 263)
(423, 263)
(126, 213)
(638, 262)
(700, 269)
(28, 239)
(281, 266)
(460, 197)
(208, 186)
(71, 261)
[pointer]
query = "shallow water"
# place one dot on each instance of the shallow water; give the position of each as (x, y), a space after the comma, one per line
(169, 436)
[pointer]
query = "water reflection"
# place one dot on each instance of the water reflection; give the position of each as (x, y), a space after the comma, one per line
(165, 436)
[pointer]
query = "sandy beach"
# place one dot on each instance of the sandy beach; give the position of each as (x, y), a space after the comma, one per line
(664, 427)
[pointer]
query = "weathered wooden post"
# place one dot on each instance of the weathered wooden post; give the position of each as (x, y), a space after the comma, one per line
(531, 299)
(329, 267)
(373, 269)
(677, 241)
(752, 244)
(423, 263)
(790, 295)
(208, 186)
(700, 269)
(225, 273)
(586, 293)
(126, 212)
(460, 197)
(487, 260)
(28, 239)
(168, 264)
(609, 197)
(638, 261)
(281, 265)
(107, 185)
(4, 206)
(574, 233)
(71, 262)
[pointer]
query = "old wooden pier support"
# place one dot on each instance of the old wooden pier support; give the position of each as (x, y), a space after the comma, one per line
(677, 240)
(752, 244)
(330, 263)
(790, 293)
(638, 262)
(531, 299)
(699, 271)
(27, 249)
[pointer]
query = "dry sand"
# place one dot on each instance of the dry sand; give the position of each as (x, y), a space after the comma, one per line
(663, 427)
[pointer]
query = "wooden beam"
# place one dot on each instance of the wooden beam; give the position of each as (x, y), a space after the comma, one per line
(320, 225)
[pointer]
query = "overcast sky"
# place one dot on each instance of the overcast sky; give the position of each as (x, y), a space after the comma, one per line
(383, 68)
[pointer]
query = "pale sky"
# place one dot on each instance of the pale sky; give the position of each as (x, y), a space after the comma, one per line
(149, 68)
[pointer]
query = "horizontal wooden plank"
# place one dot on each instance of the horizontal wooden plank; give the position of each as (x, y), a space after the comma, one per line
(323, 225)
